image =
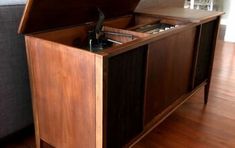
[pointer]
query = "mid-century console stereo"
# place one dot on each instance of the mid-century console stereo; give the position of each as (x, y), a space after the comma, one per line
(104, 73)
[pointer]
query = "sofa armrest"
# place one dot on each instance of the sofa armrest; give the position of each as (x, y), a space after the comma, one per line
(15, 101)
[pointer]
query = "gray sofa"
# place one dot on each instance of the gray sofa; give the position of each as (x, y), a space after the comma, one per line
(15, 101)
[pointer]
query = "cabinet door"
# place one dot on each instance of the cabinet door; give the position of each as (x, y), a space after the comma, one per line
(126, 79)
(169, 71)
(205, 52)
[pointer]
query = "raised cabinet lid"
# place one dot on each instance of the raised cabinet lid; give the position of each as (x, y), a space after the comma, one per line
(42, 15)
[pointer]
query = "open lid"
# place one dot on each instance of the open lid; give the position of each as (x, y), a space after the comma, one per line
(42, 15)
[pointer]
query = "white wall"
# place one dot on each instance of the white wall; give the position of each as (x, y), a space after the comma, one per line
(228, 6)
(12, 2)
(230, 23)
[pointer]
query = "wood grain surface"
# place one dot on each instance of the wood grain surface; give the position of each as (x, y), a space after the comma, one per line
(64, 89)
(169, 71)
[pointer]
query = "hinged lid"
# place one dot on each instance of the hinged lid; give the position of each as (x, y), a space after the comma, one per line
(42, 15)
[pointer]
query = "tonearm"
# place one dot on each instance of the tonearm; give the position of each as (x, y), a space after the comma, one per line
(97, 39)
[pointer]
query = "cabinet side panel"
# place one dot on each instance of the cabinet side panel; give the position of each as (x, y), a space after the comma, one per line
(126, 79)
(64, 84)
(169, 71)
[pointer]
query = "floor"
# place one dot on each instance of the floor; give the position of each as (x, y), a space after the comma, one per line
(22, 139)
(193, 125)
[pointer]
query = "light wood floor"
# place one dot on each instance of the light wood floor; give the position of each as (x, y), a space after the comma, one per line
(193, 125)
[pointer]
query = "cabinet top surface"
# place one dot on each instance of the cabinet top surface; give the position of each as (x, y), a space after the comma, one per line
(181, 13)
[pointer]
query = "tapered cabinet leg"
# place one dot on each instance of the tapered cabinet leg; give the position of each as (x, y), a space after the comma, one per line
(37, 139)
(38, 142)
(206, 93)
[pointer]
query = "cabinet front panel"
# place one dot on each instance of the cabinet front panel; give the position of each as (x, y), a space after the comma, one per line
(205, 52)
(169, 71)
(126, 75)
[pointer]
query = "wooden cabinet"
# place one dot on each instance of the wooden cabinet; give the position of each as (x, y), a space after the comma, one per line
(112, 97)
